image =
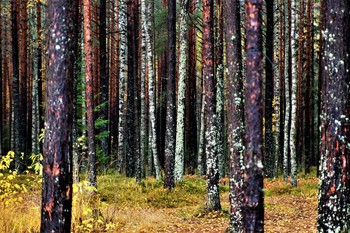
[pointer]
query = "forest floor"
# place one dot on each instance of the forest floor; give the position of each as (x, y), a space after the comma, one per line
(121, 205)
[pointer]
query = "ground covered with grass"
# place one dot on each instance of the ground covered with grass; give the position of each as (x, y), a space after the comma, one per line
(121, 205)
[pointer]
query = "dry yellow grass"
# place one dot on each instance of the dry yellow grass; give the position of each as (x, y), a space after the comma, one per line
(121, 205)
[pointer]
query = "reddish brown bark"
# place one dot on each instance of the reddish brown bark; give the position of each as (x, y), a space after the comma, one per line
(57, 172)
(253, 220)
(89, 93)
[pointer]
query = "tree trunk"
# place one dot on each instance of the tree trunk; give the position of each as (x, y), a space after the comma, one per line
(220, 100)
(23, 122)
(180, 116)
(151, 90)
(269, 90)
(170, 128)
(104, 79)
(253, 219)
(89, 94)
(213, 196)
(235, 118)
(286, 130)
(57, 172)
(334, 188)
(191, 138)
(294, 103)
(308, 97)
(19, 136)
(123, 69)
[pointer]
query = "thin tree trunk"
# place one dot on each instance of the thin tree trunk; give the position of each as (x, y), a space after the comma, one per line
(180, 116)
(294, 90)
(89, 94)
(307, 99)
(104, 79)
(123, 69)
(235, 110)
(287, 91)
(17, 116)
(57, 173)
(269, 89)
(220, 100)
(143, 122)
(152, 92)
(253, 220)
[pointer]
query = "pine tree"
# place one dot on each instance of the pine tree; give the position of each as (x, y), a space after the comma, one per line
(213, 197)
(253, 219)
(334, 188)
(170, 133)
(89, 94)
(57, 171)
(235, 118)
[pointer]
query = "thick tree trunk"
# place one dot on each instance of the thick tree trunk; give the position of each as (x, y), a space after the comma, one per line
(89, 94)
(235, 118)
(57, 172)
(334, 188)
(170, 133)
(213, 197)
(253, 220)
(180, 116)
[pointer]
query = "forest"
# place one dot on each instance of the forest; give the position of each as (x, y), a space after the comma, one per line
(175, 116)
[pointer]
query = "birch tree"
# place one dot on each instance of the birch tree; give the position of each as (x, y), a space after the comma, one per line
(286, 7)
(180, 116)
(253, 219)
(146, 17)
(334, 186)
(294, 90)
(123, 72)
(57, 172)
(235, 107)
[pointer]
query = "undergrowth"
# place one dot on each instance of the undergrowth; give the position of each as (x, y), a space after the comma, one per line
(119, 204)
